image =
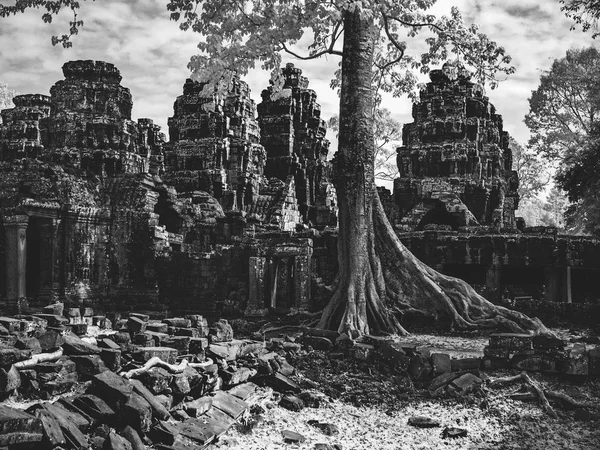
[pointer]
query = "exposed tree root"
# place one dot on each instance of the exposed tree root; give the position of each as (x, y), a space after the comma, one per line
(397, 281)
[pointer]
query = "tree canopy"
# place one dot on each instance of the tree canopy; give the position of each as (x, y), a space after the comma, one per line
(583, 12)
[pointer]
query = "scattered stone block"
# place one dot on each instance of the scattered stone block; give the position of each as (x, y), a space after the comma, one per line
(53, 435)
(158, 338)
(158, 380)
(441, 363)
(441, 381)
(158, 409)
(167, 354)
(142, 317)
(318, 343)
(53, 320)
(292, 403)
(240, 375)
(548, 343)
(198, 407)
(423, 422)
(79, 329)
(465, 364)
(50, 340)
(234, 349)
(178, 322)
(181, 343)
(134, 438)
(95, 407)
(89, 365)
(576, 362)
(9, 356)
(512, 341)
(188, 332)
(29, 343)
(221, 331)
(11, 324)
(111, 385)
(291, 437)
(594, 360)
(54, 308)
(363, 352)
(73, 345)
(9, 380)
(392, 354)
(136, 325)
(137, 413)
(419, 367)
(229, 404)
(157, 327)
(144, 340)
(453, 432)
(198, 345)
(534, 363)
(464, 384)
(280, 382)
(244, 391)
(17, 426)
(111, 358)
(329, 429)
(116, 442)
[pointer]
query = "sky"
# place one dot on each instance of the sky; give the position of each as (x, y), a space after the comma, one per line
(152, 53)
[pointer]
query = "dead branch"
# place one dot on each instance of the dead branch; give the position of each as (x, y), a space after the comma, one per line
(39, 358)
(535, 386)
(570, 401)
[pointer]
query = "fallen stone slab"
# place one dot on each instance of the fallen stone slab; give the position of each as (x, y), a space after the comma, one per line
(244, 391)
(29, 343)
(240, 375)
(423, 422)
(292, 403)
(465, 383)
(74, 345)
(392, 354)
(234, 349)
(157, 380)
(441, 363)
(134, 438)
(329, 429)
(465, 364)
(167, 354)
(178, 322)
(419, 367)
(11, 324)
(89, 365)
(198, 407)
(229, 404)
(453, 432)
(292, 437)
(512, 341)
(137, 413)
(50, 340)
(67, 422)
(95, 407)
(320, 343)
(53, 320)
(53, 435)
(220, 331)
(9, 380)
(158, 409)
(279, 382)
(157, 326)
(17, 426)
(112, 386)
(116, 442)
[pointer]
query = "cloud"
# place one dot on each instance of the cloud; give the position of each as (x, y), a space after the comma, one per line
(152, 53)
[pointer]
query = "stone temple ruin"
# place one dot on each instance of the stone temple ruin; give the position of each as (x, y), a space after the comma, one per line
(236, 213)
(454, 203)
(231, 214)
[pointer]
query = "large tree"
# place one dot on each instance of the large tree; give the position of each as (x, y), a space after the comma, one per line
(379, 279)
(583, 12)
(533, 173)
(388, 134)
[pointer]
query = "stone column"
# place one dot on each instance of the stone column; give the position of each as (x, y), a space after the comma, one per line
(567, 285)
(492, 283)
(552, 284)
(15, 228)
(256, 286)
(302, 282)
(47, 260)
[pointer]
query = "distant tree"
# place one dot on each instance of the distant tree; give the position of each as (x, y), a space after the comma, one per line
(579, 177)
(378, 278)
(6, 96)
(388, 135)
(564, 106)
(583, 12)
(533, 173)
(554, 208)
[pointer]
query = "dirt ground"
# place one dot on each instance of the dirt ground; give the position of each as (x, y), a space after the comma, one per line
(371, 407)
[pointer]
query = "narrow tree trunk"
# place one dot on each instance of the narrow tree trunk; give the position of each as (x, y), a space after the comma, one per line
(379, 279)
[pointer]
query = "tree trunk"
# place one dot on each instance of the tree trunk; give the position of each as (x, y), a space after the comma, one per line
(379, 279)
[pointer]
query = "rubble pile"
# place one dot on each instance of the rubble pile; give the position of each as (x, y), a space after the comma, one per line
(112, 382)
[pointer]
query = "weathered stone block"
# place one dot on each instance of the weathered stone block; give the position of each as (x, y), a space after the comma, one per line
(464, 364)
(465, 384)
(112, 387)
(292, 403)
(157, 327)
(178, 322)
(198, 407)
(137, 413)
(441, 363)
(17, 427)
(419, 367)
(9, 356)
(136, 325)
(511, 341)
(363, 352)
(318, 343)
(534, 363)
(167, 354)
(221, 331)
(392, 354)
(157, 380)
(29, 343)
(594, 360)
